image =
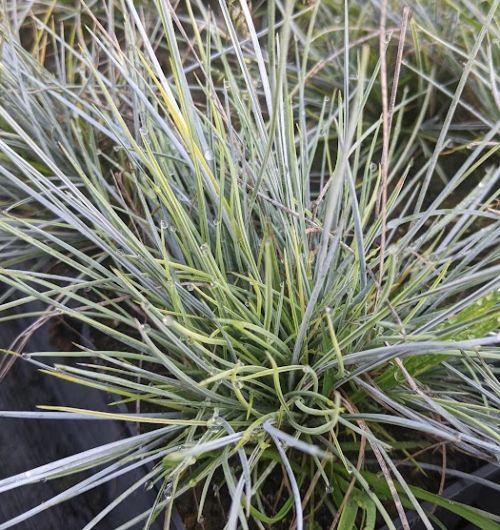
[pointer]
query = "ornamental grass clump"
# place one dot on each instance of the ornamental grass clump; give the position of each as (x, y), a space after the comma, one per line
(279, 226)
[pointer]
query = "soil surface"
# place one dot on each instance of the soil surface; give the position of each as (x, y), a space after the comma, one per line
(25, 444)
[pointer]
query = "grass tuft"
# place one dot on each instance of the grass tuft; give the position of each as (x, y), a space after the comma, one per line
(277, 225)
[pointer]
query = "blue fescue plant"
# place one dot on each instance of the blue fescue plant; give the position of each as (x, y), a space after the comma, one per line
(280, 224)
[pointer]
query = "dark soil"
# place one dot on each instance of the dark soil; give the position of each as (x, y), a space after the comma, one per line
(25, 444)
